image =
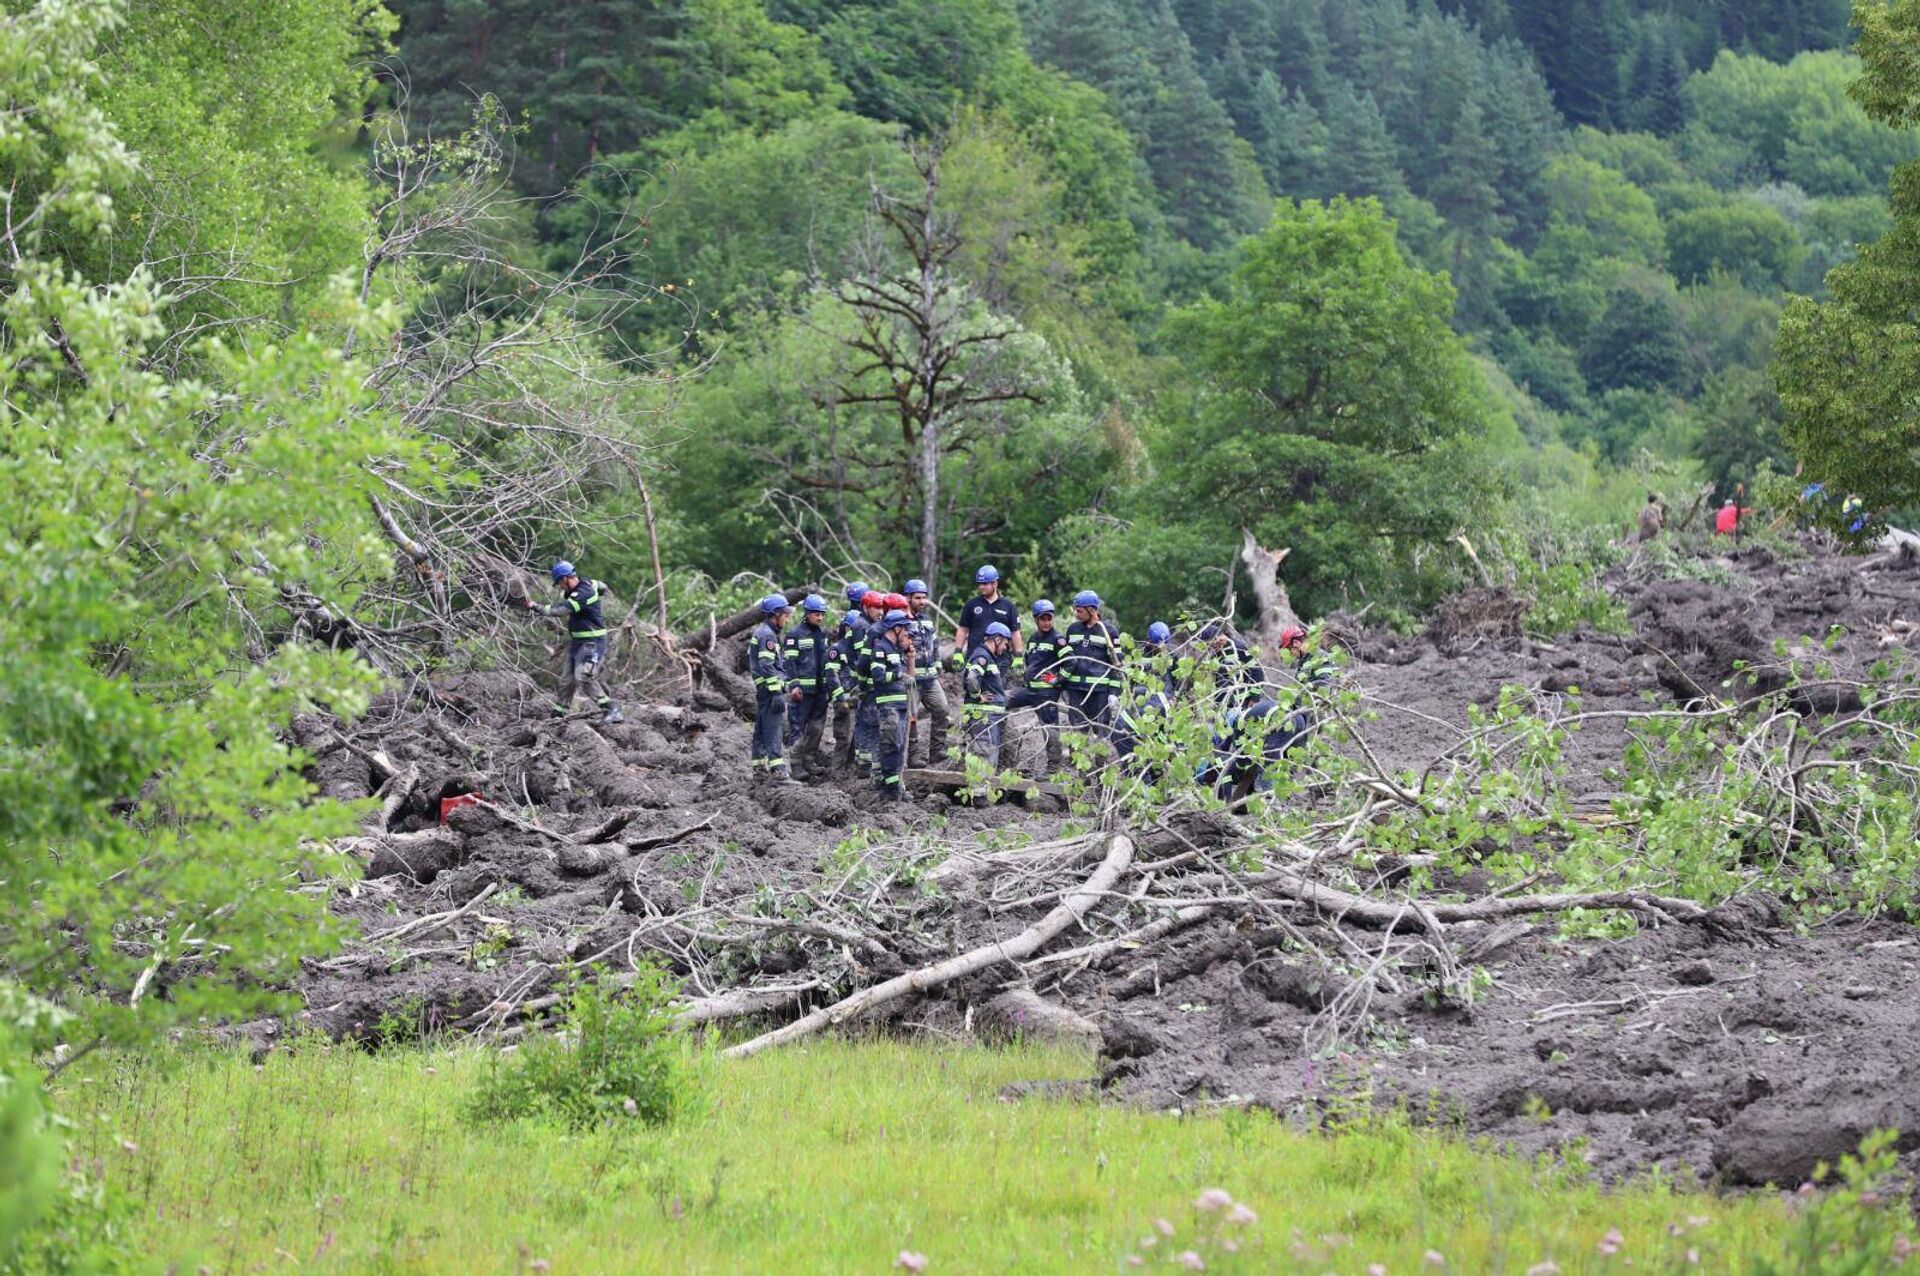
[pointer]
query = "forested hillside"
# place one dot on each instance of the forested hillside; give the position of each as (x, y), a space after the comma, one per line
(1619, 195)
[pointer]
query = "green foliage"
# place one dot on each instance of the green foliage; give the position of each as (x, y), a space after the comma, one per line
(1337, 410)
(616, 1059)
(1854, 1228)
(1848, 368)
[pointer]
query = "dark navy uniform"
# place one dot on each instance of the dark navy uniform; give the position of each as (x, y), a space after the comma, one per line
(1093, 673)
(929, 747)
(769, 699)
(1046, 666)
(979, 613)
(804, 659)
(587, 648)
(985, 708)
(886, 679)
(846, 693)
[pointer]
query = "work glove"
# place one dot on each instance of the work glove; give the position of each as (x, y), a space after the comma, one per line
(956, 662)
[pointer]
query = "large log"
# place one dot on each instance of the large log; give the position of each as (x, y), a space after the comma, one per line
(746, 618)
(1014, 949)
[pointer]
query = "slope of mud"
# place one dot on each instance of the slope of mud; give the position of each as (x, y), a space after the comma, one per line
(1738, 1049)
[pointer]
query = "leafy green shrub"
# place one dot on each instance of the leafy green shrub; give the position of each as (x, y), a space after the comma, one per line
(616, 1059)
(1858, 1227)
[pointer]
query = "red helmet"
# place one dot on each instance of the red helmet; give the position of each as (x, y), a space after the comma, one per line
(896, 602)
(873, 598)
(1292, 636)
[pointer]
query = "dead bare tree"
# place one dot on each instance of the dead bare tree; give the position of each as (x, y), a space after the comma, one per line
(1263, 572)
(926, 342)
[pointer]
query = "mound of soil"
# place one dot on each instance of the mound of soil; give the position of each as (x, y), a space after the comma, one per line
(1738, 1048)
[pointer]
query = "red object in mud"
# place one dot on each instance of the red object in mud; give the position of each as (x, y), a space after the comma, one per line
(455, 803)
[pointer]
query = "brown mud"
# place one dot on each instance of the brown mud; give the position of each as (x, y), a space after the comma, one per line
(1743, 1049)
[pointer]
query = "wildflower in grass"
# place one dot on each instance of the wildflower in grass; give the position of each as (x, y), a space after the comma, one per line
(1134, 1260)
(630, 1107)
(1693, 1258)
(1191, 1261)
(1163, 1227)
(1231, 1245)
(1376, 1269)
(1242, 1215)
(1149, 1241)
(1545, 1268)
(1697, 1220)
(1806, 1189)
(1434, 1258)
(1610, 1243)
(910, 1261)
(539, 1265)
(1212, 1199)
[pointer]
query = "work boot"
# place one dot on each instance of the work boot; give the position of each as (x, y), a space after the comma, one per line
(612, 713)
(555, 711)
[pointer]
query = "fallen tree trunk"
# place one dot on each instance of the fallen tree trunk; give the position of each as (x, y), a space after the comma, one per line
(1118, 860)
(738, 623)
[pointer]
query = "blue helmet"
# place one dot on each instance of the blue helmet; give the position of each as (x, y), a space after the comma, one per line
(1041, 607)
(774, 604)
(851, 619)
(562, 570)
(986, 575)
(913, 587)
(1158, 632)
(815, 603)
(1086, 598)
(998, 630)
(856, 591)
(894, 619)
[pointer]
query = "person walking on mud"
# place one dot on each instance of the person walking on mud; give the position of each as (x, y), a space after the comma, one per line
(889, 653)
(769, 688)
(587, 640)
(804, 660)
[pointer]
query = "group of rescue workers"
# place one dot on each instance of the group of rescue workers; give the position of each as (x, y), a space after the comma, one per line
(876, 675)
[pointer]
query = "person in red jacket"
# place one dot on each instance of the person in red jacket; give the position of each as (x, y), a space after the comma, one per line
(1727, 521)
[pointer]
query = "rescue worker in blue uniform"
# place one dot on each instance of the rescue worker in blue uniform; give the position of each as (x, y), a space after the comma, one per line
(1151, 693)
(1046, 664)
(804, 659)
(580, 603)
(866, 723)
(769, 688)
(929, 745)
(1093, 666)
(844, 687)
(982, 610)
(1238, 678)
(985, 707)
(888, 657)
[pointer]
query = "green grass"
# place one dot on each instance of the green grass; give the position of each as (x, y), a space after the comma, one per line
(832, 1157)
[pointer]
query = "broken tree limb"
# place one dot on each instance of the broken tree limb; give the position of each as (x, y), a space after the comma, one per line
(605, 830)
(434, 922)
(1118, 859)
(1383, 913)
(651, 840)
(393, 795)
(1276, 609)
